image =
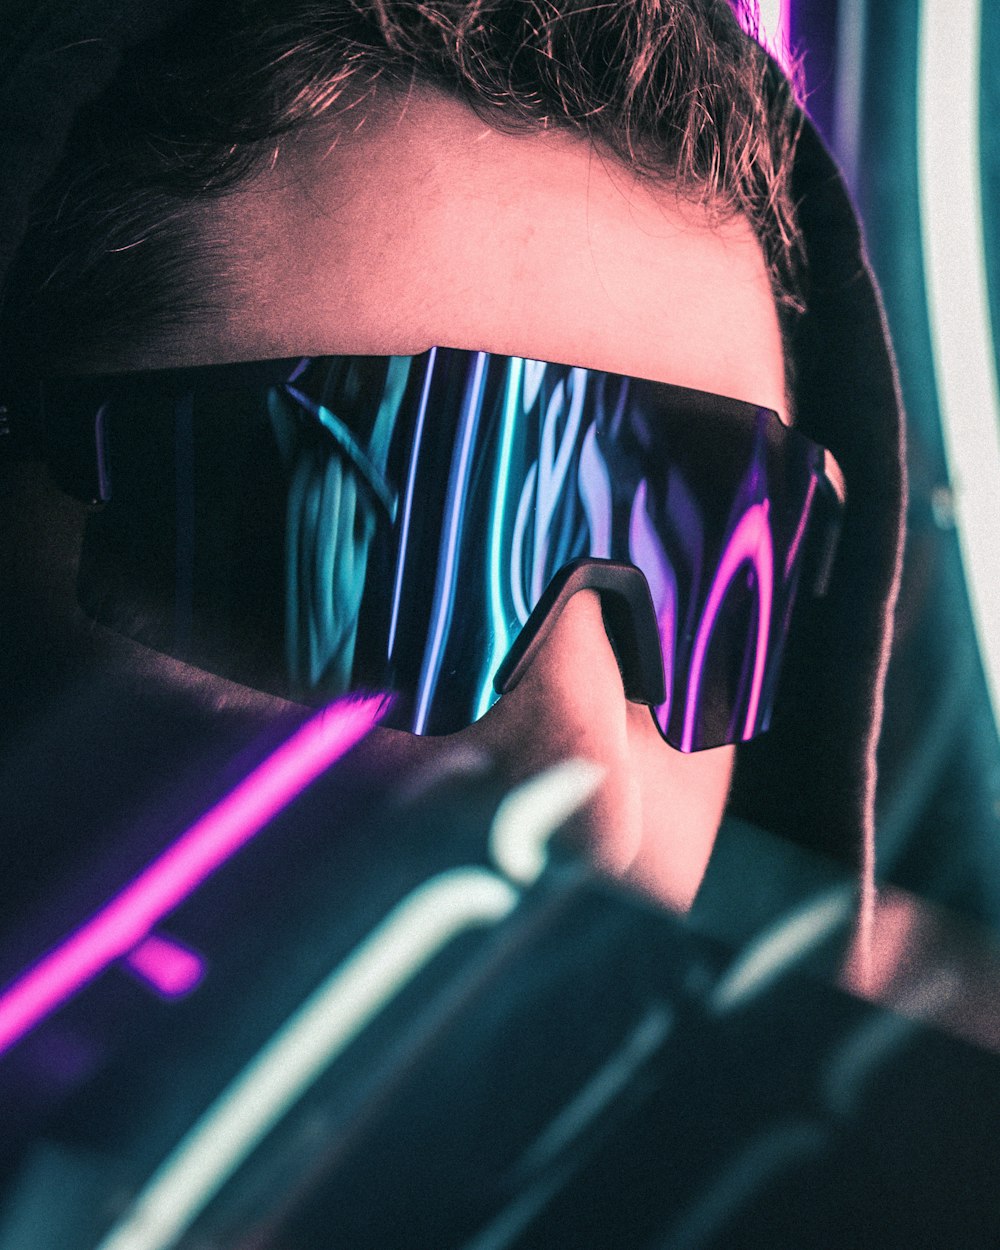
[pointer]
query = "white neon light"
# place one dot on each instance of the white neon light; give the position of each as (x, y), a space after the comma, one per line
(780, 946)
(527, 818)
(305, 1045)
(339, 1010)
(948, 128)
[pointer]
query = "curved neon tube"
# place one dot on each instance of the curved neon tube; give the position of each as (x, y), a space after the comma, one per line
(421, 925)
(339, 1009)
(750, 543)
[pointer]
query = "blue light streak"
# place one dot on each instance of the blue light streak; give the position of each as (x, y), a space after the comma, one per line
(444, 593)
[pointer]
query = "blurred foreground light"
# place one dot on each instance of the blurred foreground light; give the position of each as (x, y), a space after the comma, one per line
(335, 1014)
(305, 1045)
(122, 927)
(948, 124)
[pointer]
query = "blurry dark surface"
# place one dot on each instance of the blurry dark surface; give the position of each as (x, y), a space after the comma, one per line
(587, 1072)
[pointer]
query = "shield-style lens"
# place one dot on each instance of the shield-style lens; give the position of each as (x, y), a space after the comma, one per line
(320, 525)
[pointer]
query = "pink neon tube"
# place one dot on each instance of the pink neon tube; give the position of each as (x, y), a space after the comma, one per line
(126, 920)
(166, 966)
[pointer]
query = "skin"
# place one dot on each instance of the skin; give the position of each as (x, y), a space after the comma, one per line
(422, 225)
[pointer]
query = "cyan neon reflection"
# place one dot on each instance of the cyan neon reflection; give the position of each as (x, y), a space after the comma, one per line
(411, 481)
(499, 618)
(549, 463)
(412, 510)
(444, 595)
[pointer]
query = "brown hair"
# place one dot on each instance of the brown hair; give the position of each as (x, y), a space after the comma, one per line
(671, 88)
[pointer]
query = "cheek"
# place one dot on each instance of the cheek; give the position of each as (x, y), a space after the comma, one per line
(653, 821)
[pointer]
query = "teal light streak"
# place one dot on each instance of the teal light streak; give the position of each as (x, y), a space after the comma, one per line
(349, 445)
(781, 946)
(232, 1128)
(951, 213)
(501, 640)
(334, 1015)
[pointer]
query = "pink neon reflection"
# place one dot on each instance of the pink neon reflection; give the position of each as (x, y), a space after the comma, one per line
(751, 542)
(170, 968)
(126, 920)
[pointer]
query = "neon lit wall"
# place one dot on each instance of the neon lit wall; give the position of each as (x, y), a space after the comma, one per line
(907, 97)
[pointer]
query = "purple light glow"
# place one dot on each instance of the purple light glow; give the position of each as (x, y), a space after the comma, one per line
(666, 624)
(594, 485)
(168, 967)
(800, 529)
(685, 518)
(750, 543)
(647, 552)
(125, 922)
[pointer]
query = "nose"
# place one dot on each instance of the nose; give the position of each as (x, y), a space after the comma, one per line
(629, 617)
(653, 820)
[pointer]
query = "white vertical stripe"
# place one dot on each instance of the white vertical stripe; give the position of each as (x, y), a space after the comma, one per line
(955, 271)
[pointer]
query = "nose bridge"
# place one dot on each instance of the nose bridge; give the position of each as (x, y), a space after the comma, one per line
(629, 620)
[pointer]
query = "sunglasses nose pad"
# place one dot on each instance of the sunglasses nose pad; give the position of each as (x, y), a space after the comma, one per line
(629, 619)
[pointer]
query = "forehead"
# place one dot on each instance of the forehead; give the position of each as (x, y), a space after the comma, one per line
(423, 226)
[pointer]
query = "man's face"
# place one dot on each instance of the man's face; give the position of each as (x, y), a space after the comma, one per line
(423, 226)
